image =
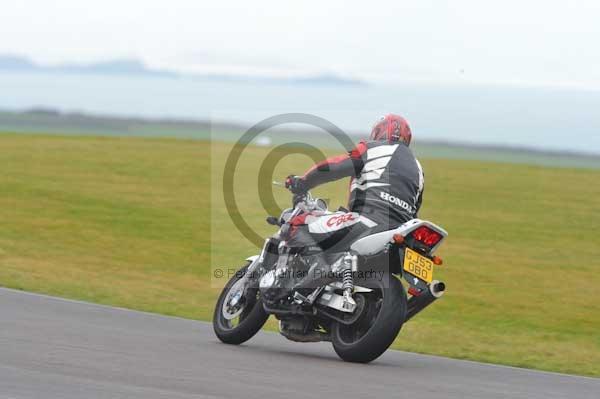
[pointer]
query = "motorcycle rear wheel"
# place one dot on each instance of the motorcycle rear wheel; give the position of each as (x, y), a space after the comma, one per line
(248, 319)
(378, 325)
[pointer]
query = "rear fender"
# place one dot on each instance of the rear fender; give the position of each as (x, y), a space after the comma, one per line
(375, 243)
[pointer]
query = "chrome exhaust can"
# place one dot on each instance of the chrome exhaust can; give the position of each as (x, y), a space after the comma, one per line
(419, 302)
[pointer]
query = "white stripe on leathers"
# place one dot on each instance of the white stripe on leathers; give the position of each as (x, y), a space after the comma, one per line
(381, 151)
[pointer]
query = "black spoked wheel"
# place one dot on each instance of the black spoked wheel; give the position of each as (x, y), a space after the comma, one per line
(238, 317)
(381, 317)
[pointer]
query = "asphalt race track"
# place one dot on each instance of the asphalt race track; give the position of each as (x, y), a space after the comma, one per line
(55, 348)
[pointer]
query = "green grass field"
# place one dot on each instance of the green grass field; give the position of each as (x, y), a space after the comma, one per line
(130, 222)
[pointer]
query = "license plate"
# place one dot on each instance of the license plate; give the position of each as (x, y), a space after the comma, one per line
(418, 265)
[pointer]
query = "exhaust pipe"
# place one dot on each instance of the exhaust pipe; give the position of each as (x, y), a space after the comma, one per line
(417, 303)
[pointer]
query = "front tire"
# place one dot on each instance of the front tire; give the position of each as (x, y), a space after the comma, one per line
(378, 325)
(249, 320)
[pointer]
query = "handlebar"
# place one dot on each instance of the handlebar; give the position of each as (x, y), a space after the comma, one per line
(301, 203)
(309, 201)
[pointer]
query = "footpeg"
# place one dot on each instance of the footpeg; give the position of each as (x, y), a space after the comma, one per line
(348, 303)
(300, 299)
(307, 300)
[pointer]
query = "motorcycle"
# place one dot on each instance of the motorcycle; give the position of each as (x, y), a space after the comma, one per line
(362, 305)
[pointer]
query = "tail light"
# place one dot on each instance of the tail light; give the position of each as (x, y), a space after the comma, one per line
(427, 236)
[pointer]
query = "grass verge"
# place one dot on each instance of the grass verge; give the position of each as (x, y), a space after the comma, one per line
(130, 222)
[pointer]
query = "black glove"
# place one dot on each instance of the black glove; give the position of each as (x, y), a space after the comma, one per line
(296, 184)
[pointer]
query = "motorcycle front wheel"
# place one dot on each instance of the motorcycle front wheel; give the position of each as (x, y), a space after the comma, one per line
(377, 326)
(238, 317)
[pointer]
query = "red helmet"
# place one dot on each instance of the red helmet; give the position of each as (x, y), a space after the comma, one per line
(392, 128)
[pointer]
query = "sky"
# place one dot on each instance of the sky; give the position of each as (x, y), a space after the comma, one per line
(522, 43)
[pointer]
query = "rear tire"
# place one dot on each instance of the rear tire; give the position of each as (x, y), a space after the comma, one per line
(251, 320)
(377, 327)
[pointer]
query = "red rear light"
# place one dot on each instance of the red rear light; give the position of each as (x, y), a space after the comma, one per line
(427, 236)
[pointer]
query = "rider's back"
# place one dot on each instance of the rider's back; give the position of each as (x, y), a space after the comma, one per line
(389, 187)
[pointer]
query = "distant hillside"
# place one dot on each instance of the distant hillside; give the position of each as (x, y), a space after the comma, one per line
(13, 62)
(112, 67)
(115, 67)
(134, 67)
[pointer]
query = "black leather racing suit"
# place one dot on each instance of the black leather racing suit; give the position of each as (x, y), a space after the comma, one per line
(387, 181)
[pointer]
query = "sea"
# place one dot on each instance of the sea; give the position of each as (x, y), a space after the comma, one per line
(566, 120)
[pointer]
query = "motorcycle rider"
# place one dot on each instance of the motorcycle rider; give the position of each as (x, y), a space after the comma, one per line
(386, 190)
(387, 180)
